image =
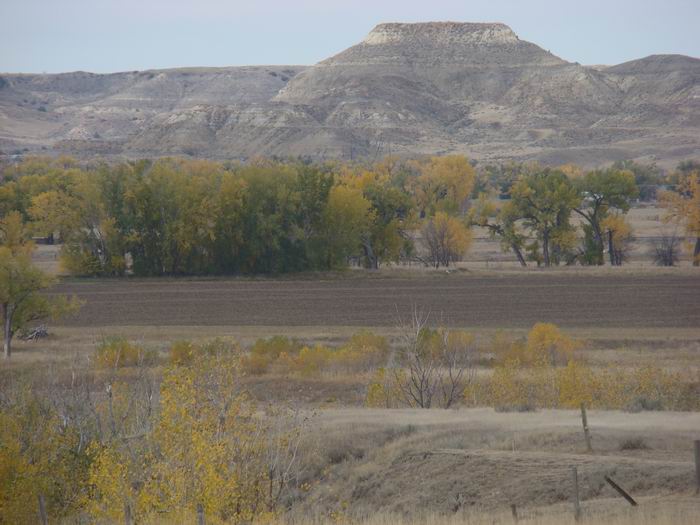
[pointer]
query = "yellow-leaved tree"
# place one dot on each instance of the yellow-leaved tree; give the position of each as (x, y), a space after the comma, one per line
(444, 184)
(447, 239)
(209, 447)
(619, 237)
(683, 206)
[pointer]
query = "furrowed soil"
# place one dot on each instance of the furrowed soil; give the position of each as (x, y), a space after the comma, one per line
(500, 301)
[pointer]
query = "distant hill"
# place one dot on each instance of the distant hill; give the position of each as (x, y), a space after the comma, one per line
(407, 89)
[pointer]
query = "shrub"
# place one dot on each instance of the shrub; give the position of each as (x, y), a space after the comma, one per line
(186, 352)
(182, 352)
(118, 352)
(266, 351)
(635, 443)
(364, 351)
(666, 251)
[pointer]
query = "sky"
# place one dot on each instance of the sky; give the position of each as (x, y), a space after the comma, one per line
(122, 35)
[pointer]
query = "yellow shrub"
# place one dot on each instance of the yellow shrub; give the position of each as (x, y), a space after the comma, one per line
(265, 352)
(37, 456)
(577, 385)
(547, 344)
(185, 353)
(363, 351)
(382, 390)
(118, 352)
(182, 352)
(312, 360)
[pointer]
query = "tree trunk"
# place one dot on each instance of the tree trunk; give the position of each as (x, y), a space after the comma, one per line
(370, 259)
(545, 248)
(611, 248)
(598, 235)
(7, 311)
(518, 254)
(696, 253)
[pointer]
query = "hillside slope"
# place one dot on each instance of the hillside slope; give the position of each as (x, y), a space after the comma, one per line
(405, 89)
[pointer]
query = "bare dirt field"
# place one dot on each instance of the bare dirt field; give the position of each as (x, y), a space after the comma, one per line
(509, 300)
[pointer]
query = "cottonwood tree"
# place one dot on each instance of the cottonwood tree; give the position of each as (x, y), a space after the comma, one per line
(444, 184)
(602, 191)
(500, 223)
(618, 233)
(390, 217)
(447, 239)
(21, 301)
(345, 222)
(544, 200)
(91, 243)
(683, 207)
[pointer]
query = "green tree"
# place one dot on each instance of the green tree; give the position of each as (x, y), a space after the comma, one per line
(91, 243)
(602, 191)
(544, 200)
(501, 223)
(20, 299)
(346, 219)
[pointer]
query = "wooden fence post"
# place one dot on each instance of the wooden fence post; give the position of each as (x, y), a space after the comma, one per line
(43, 519)
(127, 514)
(514, 512)
(200, 514)
(697, 466)
(577, 501)
(586, 431)
(620, 491)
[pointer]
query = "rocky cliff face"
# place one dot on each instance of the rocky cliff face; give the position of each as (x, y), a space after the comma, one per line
(405, 89)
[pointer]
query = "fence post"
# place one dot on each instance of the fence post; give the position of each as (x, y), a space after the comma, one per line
(577, 501)
(514, 512)
(200, 514)
(127, 514)
(43, 519)
(622, 492)
(697, 466)
(586, 431)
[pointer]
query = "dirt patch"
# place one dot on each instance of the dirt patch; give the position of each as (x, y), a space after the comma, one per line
(506, 301)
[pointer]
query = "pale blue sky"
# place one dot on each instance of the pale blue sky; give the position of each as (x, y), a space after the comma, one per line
(120, 35)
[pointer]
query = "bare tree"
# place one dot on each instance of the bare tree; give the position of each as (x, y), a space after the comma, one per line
(431, 366)
(456, 358)
(666, 250)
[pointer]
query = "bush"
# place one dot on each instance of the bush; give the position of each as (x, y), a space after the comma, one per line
(635, 443)
(118, 353)
(266, 351)
(666, 251)
(185, 353)
(182, 352)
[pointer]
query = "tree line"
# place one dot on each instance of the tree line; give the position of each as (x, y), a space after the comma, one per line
(196, 217)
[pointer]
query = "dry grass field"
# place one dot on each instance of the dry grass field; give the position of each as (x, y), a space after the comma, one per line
(467, 466)
(408, 466)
